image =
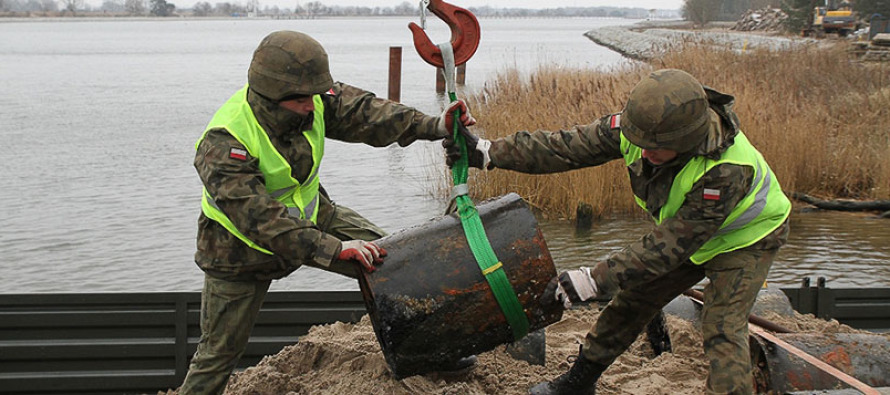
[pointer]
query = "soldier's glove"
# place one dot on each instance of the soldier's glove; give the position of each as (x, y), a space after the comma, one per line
(365, 253)
(446, 121)
(477, 149)
(577, 285)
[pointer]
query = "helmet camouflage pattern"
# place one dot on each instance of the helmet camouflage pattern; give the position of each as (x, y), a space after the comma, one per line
(288, 63)
(668, 109)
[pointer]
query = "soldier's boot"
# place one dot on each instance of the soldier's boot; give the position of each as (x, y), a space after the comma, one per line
(580, 379)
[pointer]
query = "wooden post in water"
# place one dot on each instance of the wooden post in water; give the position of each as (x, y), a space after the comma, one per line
(395, 73)
(440, 80)
(460, 78)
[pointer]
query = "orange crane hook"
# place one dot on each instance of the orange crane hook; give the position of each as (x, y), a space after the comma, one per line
(465, 34)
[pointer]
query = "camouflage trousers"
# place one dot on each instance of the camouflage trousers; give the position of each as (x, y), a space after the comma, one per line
(229, 309)
(735, 280)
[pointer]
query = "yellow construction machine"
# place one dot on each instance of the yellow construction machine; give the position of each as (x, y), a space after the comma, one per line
(833, 18)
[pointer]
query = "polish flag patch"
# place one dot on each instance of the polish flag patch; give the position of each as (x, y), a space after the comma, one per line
(331, 92)
(712, 194)
(238, 153)
(615, 123)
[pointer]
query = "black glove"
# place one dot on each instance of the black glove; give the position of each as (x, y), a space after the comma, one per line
(477, 149)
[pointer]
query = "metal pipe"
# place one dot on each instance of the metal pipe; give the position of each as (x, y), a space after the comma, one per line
(752, 318)
(811, 362)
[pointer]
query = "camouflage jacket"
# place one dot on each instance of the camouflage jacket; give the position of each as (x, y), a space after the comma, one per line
(673, 241)
(351, 115)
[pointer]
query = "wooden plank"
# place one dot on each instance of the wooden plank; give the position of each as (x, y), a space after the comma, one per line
(881, 39)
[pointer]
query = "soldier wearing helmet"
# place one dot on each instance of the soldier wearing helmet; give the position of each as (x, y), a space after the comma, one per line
(264, 212)
(719, 214)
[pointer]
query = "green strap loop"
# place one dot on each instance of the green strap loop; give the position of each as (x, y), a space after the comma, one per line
(491, 267)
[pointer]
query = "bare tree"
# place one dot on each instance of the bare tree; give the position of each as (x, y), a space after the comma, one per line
(41, 5)
(135, 7)
(202, 8)
(701, 12)
(314, 8)
(761, 4)
(72, 5)
(867, 8)
(273, 10)
(230, 9)
(406, 8)
(162, 8)
(113, 6)
(225, 8)
(800, 14)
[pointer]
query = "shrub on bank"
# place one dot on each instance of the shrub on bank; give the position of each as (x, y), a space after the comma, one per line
(819, 118)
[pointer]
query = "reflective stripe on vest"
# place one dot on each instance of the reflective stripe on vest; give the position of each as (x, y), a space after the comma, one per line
(763, 209)
(301, 199)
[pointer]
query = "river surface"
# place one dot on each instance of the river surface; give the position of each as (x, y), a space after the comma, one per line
(99, 120)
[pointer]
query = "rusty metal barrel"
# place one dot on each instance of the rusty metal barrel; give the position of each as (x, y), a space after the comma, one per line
(429, 303)
(861, 355)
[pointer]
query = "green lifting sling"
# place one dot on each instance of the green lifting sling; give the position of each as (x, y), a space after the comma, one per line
(491, 266)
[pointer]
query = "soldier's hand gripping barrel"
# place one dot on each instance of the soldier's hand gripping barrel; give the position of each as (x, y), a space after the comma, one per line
(429, 303)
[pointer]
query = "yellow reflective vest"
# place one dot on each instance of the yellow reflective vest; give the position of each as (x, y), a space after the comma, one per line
(301, 199)
(763, 209)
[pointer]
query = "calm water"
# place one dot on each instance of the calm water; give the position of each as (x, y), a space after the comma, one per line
(99, 119)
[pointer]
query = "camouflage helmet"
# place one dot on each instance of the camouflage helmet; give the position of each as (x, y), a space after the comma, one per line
(668, 109)
(288, 63)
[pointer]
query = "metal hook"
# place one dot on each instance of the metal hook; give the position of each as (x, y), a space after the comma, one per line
(465, 34)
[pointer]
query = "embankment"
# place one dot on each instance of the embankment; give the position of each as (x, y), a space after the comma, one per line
(648, 40)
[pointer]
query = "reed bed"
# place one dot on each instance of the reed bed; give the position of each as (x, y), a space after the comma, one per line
(821, 120)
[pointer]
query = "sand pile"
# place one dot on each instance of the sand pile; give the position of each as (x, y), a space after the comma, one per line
(346, 358)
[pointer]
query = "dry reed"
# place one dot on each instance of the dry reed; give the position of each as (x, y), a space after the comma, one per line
(821, 120)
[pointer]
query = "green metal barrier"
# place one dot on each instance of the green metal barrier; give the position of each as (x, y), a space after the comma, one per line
(863, 308)
(125, 343)
(137, 343)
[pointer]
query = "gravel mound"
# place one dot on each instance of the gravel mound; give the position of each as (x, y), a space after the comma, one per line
(650, 41)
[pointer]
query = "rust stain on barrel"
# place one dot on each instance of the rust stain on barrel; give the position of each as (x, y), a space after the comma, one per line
(839, 359)
(431, 287)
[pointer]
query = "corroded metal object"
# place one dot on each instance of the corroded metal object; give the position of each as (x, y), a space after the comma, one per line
(866, 357)
(429, 302)
(531, 348)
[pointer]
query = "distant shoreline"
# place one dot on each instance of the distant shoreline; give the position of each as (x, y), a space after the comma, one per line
(98, 16)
